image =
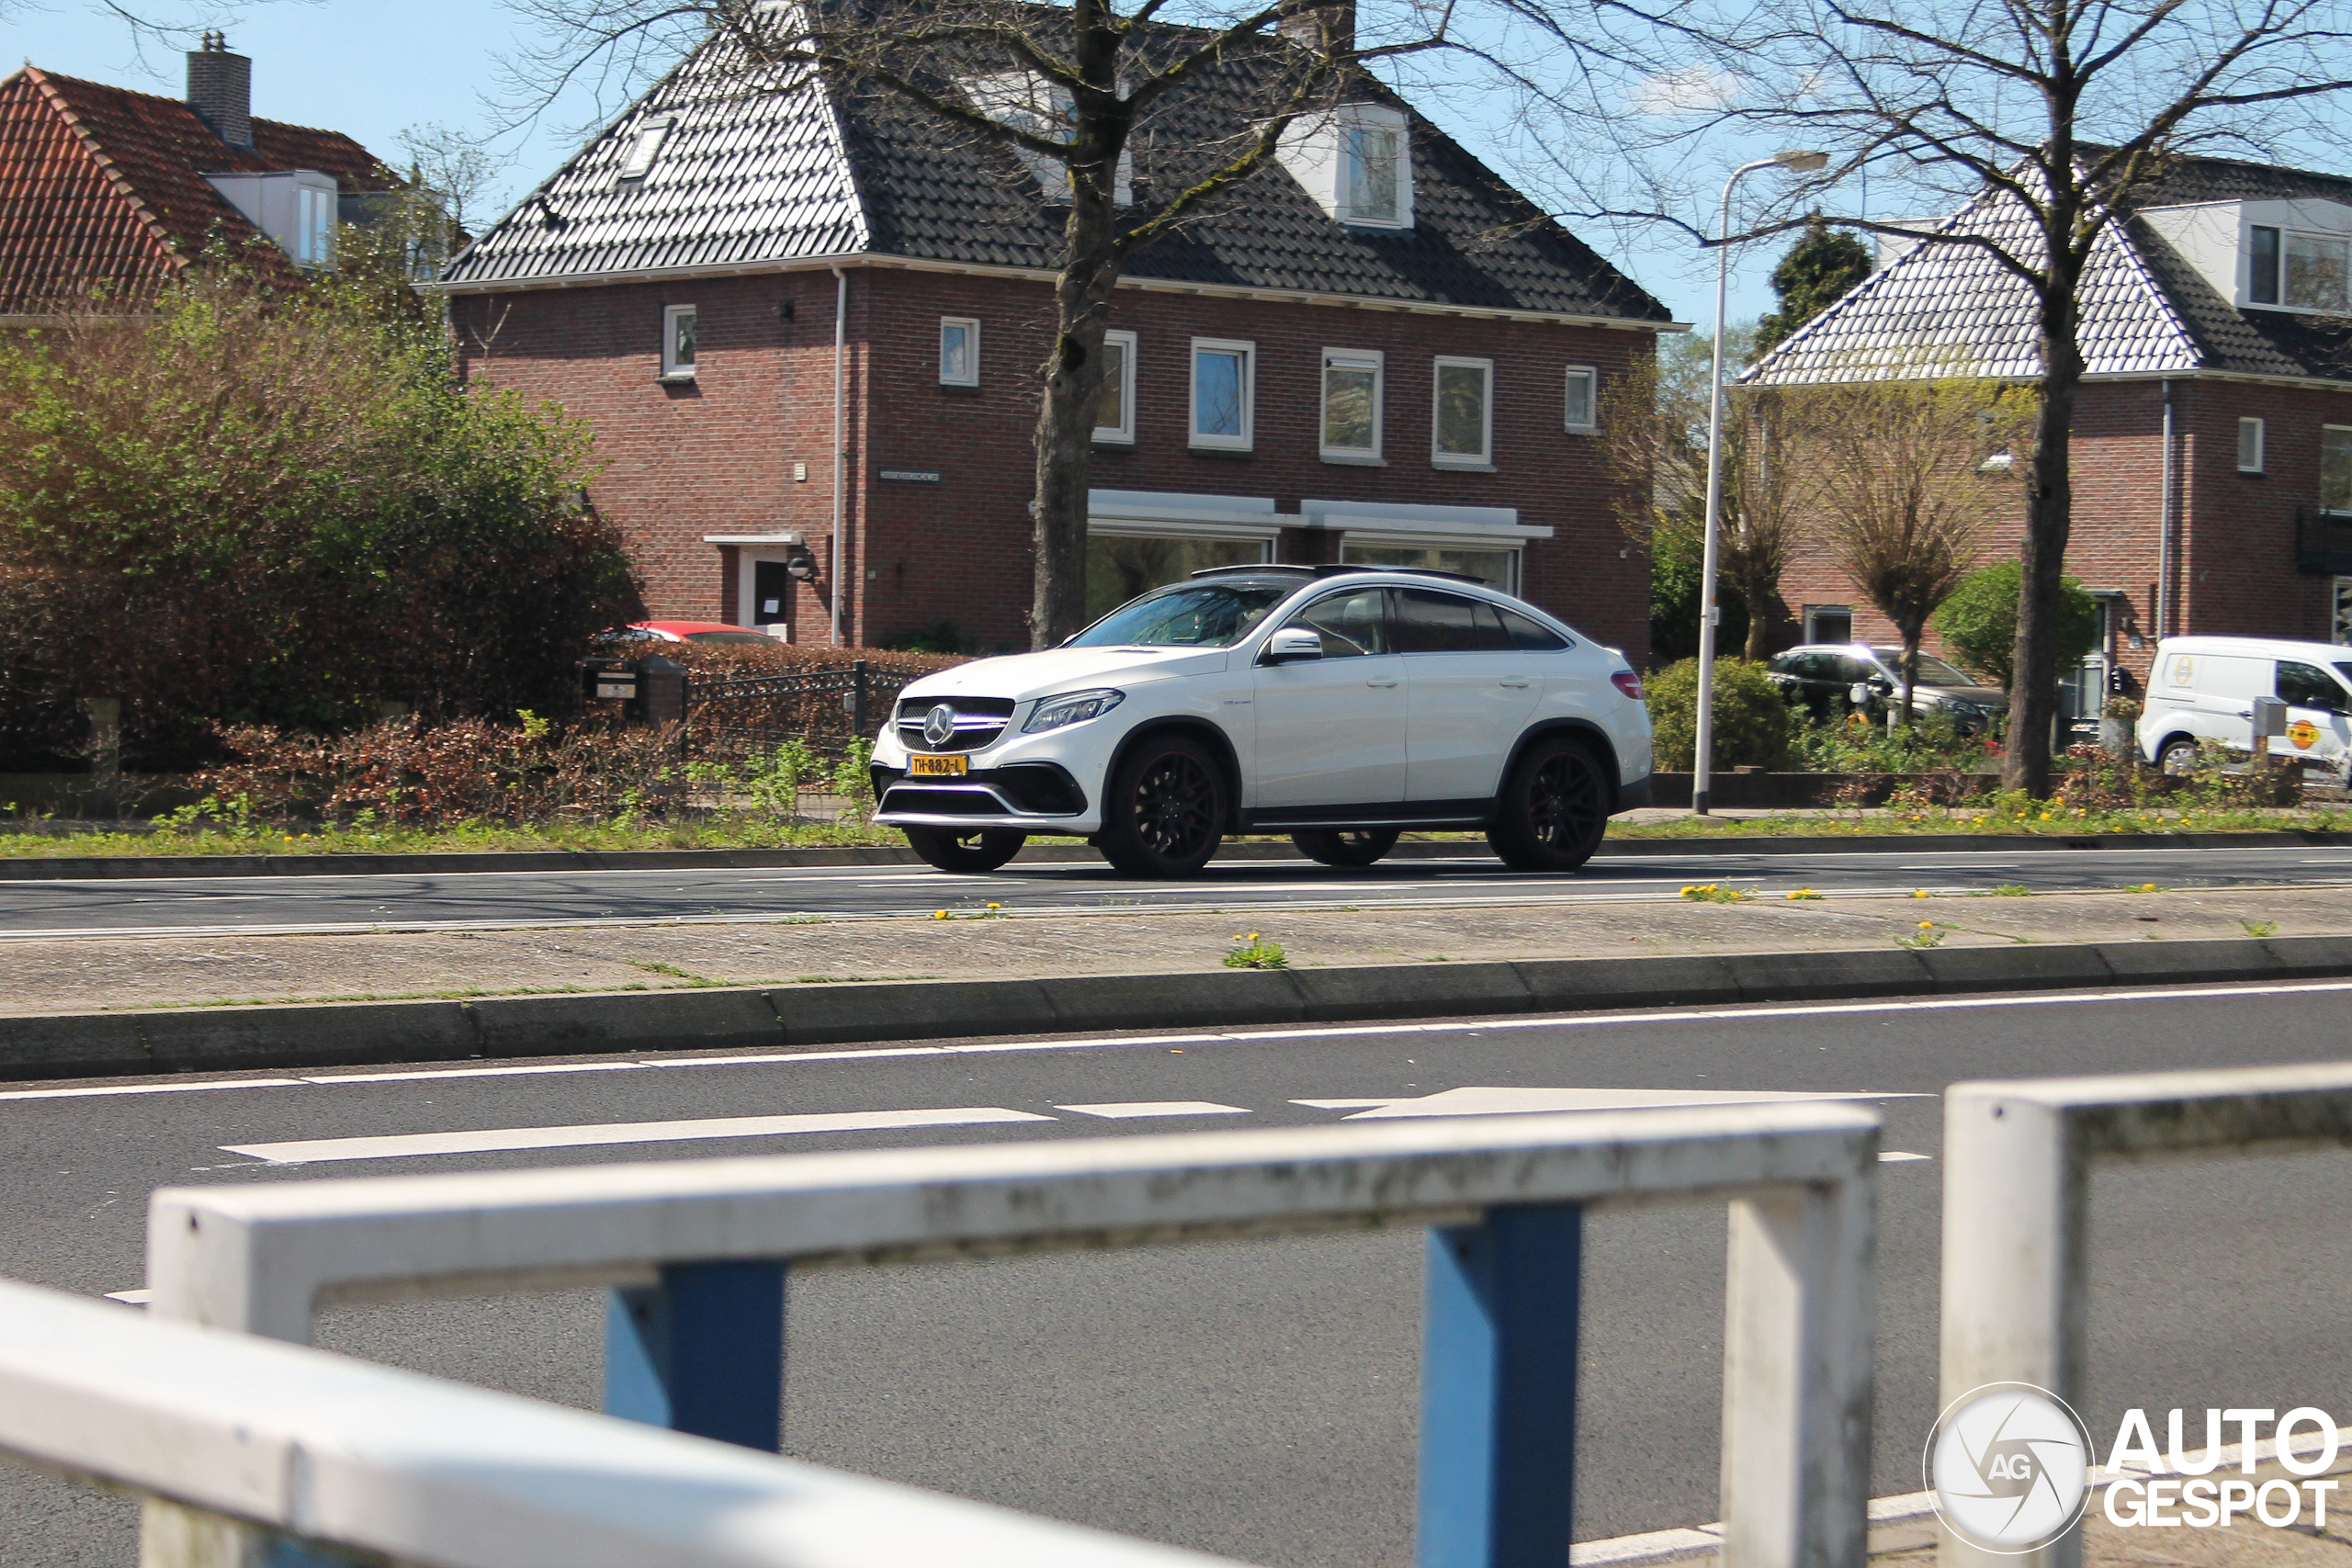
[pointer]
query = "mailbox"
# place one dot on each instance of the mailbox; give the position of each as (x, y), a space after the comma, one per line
(608, 682)
(2269, 717)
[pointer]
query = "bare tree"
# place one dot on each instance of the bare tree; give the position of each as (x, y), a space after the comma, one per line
(2056, 116)
(1906, 478)
(1075, 93)
(1654, 440)
(458, 168)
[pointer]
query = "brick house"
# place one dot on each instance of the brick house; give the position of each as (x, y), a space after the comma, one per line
(736, 262)
(2212, 444)
(110, 193)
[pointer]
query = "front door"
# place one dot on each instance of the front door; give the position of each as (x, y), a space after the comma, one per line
(1332, 730)
(771, 594)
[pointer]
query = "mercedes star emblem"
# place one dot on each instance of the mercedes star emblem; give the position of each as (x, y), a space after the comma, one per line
(939, 726)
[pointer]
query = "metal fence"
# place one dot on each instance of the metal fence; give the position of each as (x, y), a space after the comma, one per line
(697, 1254)
(745, 716)
(252, 1453)
(2019, 1158)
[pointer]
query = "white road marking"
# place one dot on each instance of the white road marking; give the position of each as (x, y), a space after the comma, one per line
(1137, 1110)
(499, 1140)
(1497, 1101)
(1235, 1037)
(131, 1298)
(98, 1090)
(1899, 1157)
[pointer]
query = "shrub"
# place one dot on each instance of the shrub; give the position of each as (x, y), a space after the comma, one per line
(1751, 727)
(277, 512)
(1979, 622)
(404, 771)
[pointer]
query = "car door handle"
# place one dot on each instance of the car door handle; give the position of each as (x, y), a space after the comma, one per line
(1514, 680)
(1388, 682)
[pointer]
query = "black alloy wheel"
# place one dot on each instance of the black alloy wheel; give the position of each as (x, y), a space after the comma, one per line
(1164, 813)
(1345, 846)
(970, 853)
(1553, 809)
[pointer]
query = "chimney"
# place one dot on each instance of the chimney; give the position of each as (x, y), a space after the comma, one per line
(221, 89)
(1326, 28)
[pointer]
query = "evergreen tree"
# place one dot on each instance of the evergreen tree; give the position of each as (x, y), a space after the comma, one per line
(1814, 276)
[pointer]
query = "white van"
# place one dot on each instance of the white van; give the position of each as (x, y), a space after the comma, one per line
(2202, 688)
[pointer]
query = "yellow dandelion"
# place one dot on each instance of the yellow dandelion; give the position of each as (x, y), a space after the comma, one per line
(939, 915)
(1927, 925)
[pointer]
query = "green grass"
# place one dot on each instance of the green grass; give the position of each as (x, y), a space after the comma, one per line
(751, 832)
(2052, 821)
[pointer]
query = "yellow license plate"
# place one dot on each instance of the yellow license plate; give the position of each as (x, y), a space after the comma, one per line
(938, 767)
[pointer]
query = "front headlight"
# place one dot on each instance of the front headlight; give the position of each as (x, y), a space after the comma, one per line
(1072, 707)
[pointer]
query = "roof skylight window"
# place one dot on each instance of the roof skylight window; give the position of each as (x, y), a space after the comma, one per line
(644, 147)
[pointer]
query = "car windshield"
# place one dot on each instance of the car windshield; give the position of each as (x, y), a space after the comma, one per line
(1193, 614)
(1933, 672)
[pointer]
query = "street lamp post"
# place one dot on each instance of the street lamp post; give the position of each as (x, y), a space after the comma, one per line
(1702, 770)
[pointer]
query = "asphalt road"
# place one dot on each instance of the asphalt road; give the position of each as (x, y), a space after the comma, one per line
(1255, 1398)
(474, 900)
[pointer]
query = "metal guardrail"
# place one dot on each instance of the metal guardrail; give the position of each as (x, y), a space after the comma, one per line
(329, 1460)
(2017, 1161)
(698, 1250)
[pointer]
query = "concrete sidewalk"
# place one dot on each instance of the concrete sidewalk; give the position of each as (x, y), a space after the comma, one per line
(101, 974)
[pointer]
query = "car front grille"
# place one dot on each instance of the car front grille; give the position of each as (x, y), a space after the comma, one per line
(979, 721)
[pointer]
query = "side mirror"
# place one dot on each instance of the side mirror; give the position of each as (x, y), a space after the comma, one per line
(1859, 693)
(1292, 645)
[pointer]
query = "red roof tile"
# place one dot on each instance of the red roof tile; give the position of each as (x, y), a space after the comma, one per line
(103, 187)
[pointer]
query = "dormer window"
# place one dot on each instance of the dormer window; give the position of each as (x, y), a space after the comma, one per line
(2262, 266)
(1356, 162)
(1026, 102)
(1375, 156)
(2315, 271)
(2275, 253)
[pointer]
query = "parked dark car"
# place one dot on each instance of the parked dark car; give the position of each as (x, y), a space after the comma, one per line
(1822, 677)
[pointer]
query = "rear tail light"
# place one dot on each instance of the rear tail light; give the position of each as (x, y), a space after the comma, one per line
(1628, 682)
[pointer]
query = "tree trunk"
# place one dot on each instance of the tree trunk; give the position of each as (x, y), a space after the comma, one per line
(1911, 631)
(1760, 627)
(1073, 392)
(2049, 520)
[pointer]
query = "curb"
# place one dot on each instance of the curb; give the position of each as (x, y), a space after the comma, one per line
(101, 868)
(788, 1018)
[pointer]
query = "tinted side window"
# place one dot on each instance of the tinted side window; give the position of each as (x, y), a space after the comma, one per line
(1850, 669)
(1430, 621)
(1350, 623)
(2308, 686)
(1530, 636)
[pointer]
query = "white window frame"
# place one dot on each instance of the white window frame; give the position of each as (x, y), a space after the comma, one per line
(644, 148)
(1592, 421)
(1248, 351)
(971, 325)
(2250, 446)
(2343, 243)
(1352, 169)
(1812, 622)
(1484, 458)
(1370, 360)
(673, 367)
(1123, 433)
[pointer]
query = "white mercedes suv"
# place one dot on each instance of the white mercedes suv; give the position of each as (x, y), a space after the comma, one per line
(1338, 705)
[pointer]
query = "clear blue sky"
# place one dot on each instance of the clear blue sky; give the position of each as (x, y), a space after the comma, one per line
(369, 68)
